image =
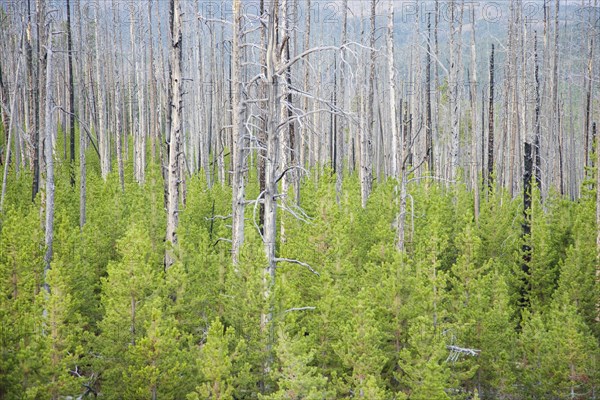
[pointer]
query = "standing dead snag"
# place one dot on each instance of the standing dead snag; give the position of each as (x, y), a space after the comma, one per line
(238, 143)
(597, 213)
(366, 134)
(527, 185)
(490, 169)
(392, 82)
(49, 158)
(173, 173)
(71, 96)
(270, 192)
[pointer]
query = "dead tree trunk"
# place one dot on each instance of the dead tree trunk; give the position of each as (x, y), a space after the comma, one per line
(490, 169)
(428, 126)
(103, 138)
(366, 142)
(340, 145)
(173, 183)
(527, 185)
(474, 130)
(82, 138)
(453, 87)
(10, 119)
(538, 107)
(597, 212)
(71, 95)
(392, 86)
(49, 159)
(38, 90)
(238, 152)
(270, 193)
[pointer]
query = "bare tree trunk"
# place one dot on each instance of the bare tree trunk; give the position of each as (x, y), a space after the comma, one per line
(82, 138)
(285, 110)
(597, 214)
(395, 167)
(428, 126)
(307, 135)
(554, 109)
(174, 133)
(538, 106)
(262, 131)
(453, 88)
(366, 142)
(588, 78)
(490, 169)
(340, 145)
(474, 127)
(153, 129)
(103, 138)
(48, 152)
(238, 152)
(71, 95)
(38, 89)
(527, 180)
(270, 194)
(9, 136)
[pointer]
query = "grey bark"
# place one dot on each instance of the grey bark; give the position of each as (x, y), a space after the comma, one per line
(239, 142)
(175, 103)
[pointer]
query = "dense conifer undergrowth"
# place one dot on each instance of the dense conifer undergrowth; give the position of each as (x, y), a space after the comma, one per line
(372, 324)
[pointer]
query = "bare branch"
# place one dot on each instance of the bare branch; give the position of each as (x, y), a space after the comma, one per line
(299, 309)
(292, 261)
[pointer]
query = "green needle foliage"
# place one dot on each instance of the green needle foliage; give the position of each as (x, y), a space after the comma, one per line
(356, 319)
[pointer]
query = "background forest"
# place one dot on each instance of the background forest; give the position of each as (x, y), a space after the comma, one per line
(299, 199)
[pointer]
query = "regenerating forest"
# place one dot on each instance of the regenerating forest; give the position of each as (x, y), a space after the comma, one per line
(299, 199)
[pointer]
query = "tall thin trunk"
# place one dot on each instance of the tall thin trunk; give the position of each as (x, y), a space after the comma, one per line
(307, 135)
(285, 110)
(153, 129)
(48, 154)
(490, 170)
(538, 106)
(474, 129)
(262, 130)
(366, 167)
(39, 88)
(82, 138)
(395, 167)
(118, 112)
(597, 213)
(103, 141)
(9, 136)
(175, 101)
(453, 93)
(428, 123)
(238, 153)
(527, 185)
(555, 129)
(588, 78)
(71, 94)
(340, 145)
(270, 194)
